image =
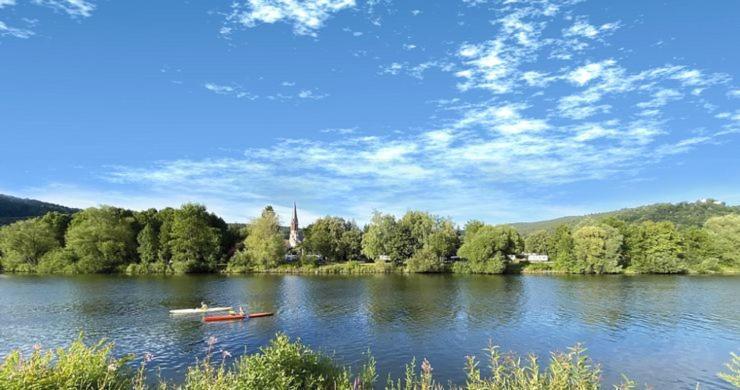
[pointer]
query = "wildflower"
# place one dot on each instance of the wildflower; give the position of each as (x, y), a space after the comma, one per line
(112, 367)
(426, 367)
(212, 340)
(225, 354)
(148, 357)
(37, 347)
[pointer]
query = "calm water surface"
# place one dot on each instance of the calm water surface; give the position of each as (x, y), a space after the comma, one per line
(666, 331)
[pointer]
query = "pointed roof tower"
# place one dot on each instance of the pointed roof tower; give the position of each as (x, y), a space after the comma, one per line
(294, 220)
(296, 236)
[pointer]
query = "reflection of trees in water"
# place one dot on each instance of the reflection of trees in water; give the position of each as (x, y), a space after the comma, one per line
(262, 292)
(425, 301)
(615, 302)
(490, 300)
(330, 296)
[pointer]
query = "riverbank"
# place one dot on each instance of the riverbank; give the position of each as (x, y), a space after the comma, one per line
(366, 268)
(289, 364)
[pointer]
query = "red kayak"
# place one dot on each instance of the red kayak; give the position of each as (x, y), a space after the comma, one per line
(263, 314)
(236, 317)
(230, 317)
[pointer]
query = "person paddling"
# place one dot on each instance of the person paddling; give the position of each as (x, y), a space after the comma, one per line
(203, 306)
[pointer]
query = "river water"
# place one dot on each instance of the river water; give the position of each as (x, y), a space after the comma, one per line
(666, 331)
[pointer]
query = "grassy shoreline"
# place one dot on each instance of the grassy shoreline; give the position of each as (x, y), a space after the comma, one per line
(362, 268)
(289, 364)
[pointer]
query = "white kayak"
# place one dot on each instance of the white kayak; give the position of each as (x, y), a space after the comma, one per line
(199, 310)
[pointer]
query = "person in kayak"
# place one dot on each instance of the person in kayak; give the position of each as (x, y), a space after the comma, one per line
(203, 306)
(233, 313)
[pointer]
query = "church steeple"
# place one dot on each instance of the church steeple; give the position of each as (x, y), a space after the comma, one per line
(294, 220)
(296, 236)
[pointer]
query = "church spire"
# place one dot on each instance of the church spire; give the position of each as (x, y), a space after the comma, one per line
(294, 221)
(296, 236)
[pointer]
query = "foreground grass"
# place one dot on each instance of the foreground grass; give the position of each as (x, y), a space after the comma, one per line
(286, 364)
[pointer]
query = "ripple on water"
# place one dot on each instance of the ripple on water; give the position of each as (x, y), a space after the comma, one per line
(670, 332)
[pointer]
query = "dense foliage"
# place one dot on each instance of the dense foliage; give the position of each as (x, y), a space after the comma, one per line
(190, 239)
(287, 365)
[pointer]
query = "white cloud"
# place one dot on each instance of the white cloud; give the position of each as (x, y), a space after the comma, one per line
(229, 90)
(72, 7)
(307, 16)
(22, 33)
(6, 3)
(581, 28)
(588, 72)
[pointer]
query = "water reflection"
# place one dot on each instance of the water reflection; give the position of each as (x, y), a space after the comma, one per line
(666, 331)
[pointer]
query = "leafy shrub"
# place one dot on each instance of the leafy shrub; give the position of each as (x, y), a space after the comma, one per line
(281, 365)
(425, 261)
(77, 367)
(58, 261)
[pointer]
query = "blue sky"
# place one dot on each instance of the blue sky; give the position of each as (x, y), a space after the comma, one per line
(498, 110)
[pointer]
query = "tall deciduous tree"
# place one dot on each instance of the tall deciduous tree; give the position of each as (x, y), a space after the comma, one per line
(725, 235)
(333, 238)
(23, 243)
(384, 237)
(264, 245)
(194, 244)
(487, 249)
(537, 242)
(561, 248)
(596, 249)
(657, 248)
(102, 238)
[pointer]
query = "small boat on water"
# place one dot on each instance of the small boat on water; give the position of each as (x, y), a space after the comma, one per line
(200, 310)
(228, 317)
(236, 317)
(262, 314)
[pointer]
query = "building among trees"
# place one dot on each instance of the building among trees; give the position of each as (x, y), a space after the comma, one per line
(296, 234)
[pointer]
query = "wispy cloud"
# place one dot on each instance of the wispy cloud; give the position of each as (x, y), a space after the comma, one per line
(79, 8)
(230, 90)
(22, 33)
(306, 16)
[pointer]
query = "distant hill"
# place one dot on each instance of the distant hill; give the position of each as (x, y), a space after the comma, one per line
(13, 209)
(683, 214)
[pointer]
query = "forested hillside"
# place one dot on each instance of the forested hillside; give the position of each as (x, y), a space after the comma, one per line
(13, 209)
(685, 214)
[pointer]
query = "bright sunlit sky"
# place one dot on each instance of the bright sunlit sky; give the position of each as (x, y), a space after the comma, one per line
(502, 111)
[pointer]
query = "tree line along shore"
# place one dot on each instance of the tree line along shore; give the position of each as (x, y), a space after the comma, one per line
(190, 239)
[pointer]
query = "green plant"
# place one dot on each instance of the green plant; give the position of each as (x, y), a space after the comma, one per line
(77, 367)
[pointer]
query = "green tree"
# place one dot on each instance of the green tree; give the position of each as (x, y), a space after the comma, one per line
(725, 235)
(264, 245)
(194, 244)
(438, 245)
(165, 219)
(333, 238)
(487, 249)
(596, 250)
(23, 243)
(537, 242)
(58, 222)
(102, 238)
(561, 248)
(657, 248)
(148, 241)
(384, 237)
(472, 227)
(697, 246)
(414, 228)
